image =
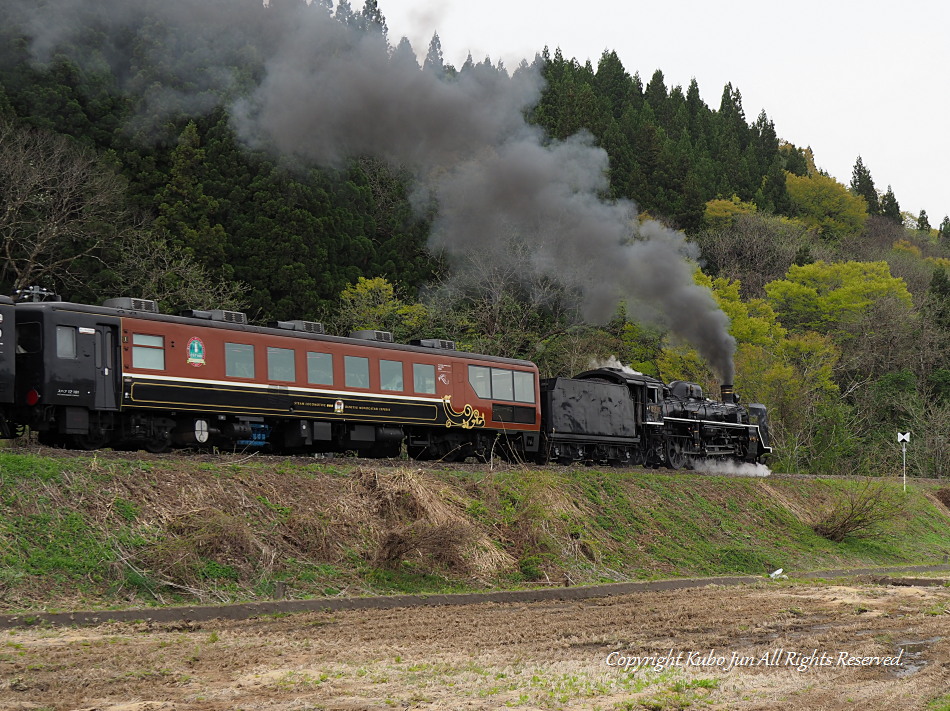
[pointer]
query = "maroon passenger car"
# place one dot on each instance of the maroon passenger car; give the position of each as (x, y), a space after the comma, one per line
(123, 374)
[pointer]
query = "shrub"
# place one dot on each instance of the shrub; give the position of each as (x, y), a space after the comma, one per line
(861, 512)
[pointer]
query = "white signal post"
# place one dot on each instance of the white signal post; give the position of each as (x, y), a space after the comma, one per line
(904, 438)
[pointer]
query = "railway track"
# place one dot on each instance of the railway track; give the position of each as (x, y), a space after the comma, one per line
(238, 457)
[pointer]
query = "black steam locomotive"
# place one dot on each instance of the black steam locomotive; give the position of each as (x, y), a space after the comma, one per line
(621, 417)
(124, 375)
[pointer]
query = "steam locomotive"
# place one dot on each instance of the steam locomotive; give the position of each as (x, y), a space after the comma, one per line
(124, 375)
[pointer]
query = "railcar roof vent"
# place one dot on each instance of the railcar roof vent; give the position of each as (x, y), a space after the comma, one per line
(129, 303)
(439, 343)
(297, 325)
(195, 313)
(381, 336)
(228, 316)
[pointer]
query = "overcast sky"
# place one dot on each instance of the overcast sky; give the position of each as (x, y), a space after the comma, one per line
(848, 79)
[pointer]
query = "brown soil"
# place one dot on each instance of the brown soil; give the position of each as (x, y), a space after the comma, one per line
(548, 655)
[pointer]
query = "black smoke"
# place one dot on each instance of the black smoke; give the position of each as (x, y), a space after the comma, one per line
(329, 90)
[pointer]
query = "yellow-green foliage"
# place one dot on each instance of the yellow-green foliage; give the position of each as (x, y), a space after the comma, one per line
(721, 213)
(821, 297)
(903, 245)
(771, 365)
(372, 304)
(825, 204)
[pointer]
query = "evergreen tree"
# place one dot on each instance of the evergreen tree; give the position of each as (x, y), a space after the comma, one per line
(795, 160)
(766, 142)
(773, 195)
(373, 18)
(186, 211)
(656, 95)
(862, 184)
(403, 54)
(890, 207)
(730, 107)
(945, 228)
(613, 82)
(344, 13)
(636, 98)
(731, 138)
(938, 300)
(698, 112)
(434, 61)
(923, 223)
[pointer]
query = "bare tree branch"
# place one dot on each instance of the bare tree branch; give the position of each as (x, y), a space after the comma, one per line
(60, 204)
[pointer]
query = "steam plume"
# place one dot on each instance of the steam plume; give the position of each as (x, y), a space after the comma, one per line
(329, 91)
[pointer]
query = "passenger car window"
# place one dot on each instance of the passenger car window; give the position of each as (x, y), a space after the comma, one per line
(281, 365)
(239, 360)
(390, 375)
(423, 378)
(320, 368)
(524, 386)
(479, 378)
(356, 371)
(502, 385)
(148, 352)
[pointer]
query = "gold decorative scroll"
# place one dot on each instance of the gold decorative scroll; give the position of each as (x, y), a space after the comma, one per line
(468, 418)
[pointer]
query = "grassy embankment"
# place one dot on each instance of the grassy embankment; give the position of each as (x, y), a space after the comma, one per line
(102, 531)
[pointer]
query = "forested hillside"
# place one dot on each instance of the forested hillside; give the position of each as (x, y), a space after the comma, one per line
(294, 161)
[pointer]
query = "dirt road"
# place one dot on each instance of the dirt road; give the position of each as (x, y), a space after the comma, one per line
(798, 647)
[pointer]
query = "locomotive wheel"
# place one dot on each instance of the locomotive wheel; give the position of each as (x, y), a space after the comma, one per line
(675, 456)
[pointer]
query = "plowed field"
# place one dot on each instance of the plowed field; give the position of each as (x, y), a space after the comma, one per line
(800, 647)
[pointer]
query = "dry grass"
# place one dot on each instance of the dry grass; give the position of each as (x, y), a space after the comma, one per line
(425, 518)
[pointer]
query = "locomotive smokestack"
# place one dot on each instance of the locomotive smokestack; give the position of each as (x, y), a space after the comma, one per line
(728, 393)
